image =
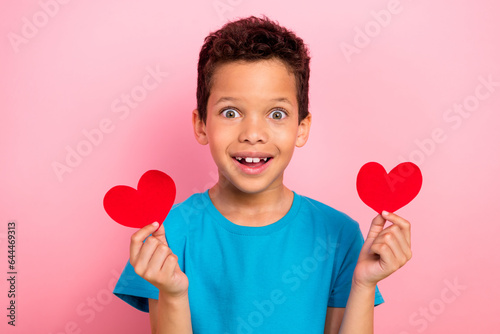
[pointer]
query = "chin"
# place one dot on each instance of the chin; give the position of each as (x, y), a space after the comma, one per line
(252, 188)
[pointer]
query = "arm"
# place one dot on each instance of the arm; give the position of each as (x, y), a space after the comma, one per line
(384, 252)
(154, 261)
(358, 316)
(334, 317)
(360, 306)
(176, 316)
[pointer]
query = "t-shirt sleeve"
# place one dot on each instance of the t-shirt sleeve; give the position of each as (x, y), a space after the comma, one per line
(350, 243)
(135, 290)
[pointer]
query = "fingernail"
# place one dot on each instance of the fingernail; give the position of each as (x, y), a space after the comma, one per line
(385, 213)
(156, 224)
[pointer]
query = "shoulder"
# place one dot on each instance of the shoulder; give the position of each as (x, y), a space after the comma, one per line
(321, 213)
(192, 206)
(317, 208)
(184, 214)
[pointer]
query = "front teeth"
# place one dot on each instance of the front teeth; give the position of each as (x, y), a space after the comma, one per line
(250, 160)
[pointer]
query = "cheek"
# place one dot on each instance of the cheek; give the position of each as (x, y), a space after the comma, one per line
(213, 131)
(286, 136)
(219, 139)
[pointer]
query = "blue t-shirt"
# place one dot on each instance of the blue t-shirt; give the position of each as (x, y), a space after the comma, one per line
(278, 278)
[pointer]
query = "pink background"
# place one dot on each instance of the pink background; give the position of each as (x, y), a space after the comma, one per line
(390, 99)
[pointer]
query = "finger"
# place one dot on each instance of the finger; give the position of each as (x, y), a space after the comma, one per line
(376, 227)
(388, 259)
(403, 224)
(160, 234)
(393, 237)
(145, 254)
(396, 232)
(170, 265)
(157, 260)
(137, 240)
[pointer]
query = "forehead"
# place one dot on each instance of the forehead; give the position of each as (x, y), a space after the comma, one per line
(256, 81)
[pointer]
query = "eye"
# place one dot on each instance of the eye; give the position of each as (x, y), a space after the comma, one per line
(230, 113)
(278, 114)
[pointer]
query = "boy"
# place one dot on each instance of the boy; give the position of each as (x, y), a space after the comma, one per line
(256, 256)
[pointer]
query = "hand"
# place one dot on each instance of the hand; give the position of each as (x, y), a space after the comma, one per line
(384, 251)
(154, 261)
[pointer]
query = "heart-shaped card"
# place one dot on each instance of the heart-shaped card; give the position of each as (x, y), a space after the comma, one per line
(150, 203)
(388, 191)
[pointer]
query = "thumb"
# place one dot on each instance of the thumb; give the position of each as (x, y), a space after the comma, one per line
(376, 227)
(160, 233)
(138, 238)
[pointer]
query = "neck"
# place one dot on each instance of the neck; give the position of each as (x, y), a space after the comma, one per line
(251, 209)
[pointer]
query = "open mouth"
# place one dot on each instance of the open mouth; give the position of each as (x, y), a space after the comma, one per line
(252, 162)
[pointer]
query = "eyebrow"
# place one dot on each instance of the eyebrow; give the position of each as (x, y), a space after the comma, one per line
(231, 99)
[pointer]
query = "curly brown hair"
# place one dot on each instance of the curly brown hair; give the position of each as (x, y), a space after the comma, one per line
(253, 39)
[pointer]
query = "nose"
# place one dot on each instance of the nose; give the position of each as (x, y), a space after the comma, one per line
(254, 130)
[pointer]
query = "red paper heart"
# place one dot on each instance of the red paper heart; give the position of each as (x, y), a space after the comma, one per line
(150, 203)
(389, 192)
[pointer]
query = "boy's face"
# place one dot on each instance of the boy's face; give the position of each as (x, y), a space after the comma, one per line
(252, 124)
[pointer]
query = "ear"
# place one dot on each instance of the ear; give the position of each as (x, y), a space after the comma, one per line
(303, 132)
(199, 127)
